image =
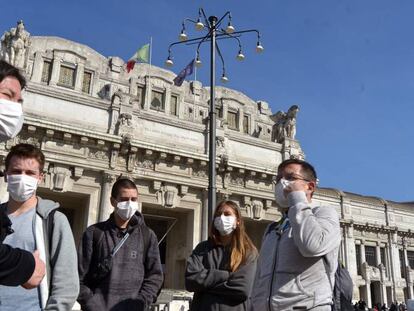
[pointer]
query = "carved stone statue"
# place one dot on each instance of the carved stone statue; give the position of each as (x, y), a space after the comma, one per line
(14, 44)
(285, 124)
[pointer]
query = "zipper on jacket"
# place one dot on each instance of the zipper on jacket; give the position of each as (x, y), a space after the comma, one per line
(275, 256)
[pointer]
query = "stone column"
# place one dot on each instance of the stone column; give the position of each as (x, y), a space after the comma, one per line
(54, 78)
(407, 271)
(362, 252)
(148, 91)
(204, 216)
(106, 208)
(368, 291)
(37, 68)
(167, 100)
(384, 294)
(79, 76)
(378, 253)
(241, 119)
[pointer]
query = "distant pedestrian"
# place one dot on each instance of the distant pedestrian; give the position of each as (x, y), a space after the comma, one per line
(220, 271)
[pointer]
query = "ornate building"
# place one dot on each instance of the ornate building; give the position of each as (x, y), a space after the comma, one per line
(94, 122)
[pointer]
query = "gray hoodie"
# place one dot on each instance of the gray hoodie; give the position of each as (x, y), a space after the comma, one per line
(60, 286)
(291, 271)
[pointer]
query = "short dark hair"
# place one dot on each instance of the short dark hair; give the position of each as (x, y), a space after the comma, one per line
(26, 151)
(7, 70)
(307, 170)
(122, 183)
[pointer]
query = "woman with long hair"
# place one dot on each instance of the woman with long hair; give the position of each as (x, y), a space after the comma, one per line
(221, 270)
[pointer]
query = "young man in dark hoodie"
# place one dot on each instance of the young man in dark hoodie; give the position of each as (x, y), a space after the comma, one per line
(132, 276)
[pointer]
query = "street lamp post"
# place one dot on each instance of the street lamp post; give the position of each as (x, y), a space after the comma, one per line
(214, 32)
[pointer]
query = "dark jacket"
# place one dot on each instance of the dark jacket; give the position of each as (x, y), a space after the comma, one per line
(16, 265)
(135, 278)
(214, 287)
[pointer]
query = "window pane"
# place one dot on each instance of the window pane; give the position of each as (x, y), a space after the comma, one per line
(67, 76)
(47, 71)
(141, 96)
(246, 124)
(410, 255)
(370, 255)
(173, 105)
(402, 265)
(157, 100)
(232, 120)
(86, 84)
(358, 258)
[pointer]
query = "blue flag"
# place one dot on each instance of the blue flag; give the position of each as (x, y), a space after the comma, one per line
(188, 70)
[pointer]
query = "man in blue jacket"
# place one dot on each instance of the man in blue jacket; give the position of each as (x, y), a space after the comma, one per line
(299, 254)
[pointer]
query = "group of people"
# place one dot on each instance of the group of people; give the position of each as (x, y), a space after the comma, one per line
(395, 306)
(117, 264)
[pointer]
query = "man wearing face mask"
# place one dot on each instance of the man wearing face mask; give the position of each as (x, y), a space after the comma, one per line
(38, 226)
(299, 254)
(17, 266)
(119, 260)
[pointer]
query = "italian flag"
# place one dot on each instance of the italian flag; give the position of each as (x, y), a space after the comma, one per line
(141, 55)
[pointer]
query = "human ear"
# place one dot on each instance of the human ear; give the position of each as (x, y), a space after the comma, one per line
(113, 202)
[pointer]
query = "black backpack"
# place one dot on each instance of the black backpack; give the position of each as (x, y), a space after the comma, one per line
(342, 289)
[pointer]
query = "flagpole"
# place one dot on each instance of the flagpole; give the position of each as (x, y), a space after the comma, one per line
(149, 68)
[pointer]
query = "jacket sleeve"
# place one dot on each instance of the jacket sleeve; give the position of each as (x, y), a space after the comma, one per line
(16, 265)
(315, 232)
(238, 286)
(197, 277)
(85, 252)
(64, 284)
(154, 276)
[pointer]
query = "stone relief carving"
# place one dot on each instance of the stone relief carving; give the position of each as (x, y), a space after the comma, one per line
(145, 163)
(167, 196)
(59, 178)
(14, 44)
(285, 124)
(254, 208)
(98, 154)
(222, 149)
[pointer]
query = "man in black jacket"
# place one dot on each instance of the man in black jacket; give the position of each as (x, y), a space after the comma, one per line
(17, 267)
(130, 279)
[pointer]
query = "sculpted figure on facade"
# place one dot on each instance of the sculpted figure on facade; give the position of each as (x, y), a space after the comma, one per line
(14, 44)
(285, 124)
(222, 149)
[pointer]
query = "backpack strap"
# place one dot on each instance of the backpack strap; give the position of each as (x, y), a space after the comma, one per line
(146, 239)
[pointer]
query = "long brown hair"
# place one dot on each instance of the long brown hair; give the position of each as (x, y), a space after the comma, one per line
(241, 247)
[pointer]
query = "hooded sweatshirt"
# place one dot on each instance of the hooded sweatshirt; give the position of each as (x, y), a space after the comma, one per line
(60, 286)
(136, 275)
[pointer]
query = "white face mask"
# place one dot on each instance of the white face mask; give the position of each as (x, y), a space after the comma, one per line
(280, 196)
(21, 187)
(126, 209)
(11, 119)
(225, 224)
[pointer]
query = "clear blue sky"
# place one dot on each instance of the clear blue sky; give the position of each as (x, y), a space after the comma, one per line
(349, 65)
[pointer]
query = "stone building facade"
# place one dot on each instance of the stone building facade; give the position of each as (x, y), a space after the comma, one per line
(95, 122)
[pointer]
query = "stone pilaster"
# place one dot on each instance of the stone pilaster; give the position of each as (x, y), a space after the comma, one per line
(106, 208)
(54, 78)
(37, 68)
(79, 76)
